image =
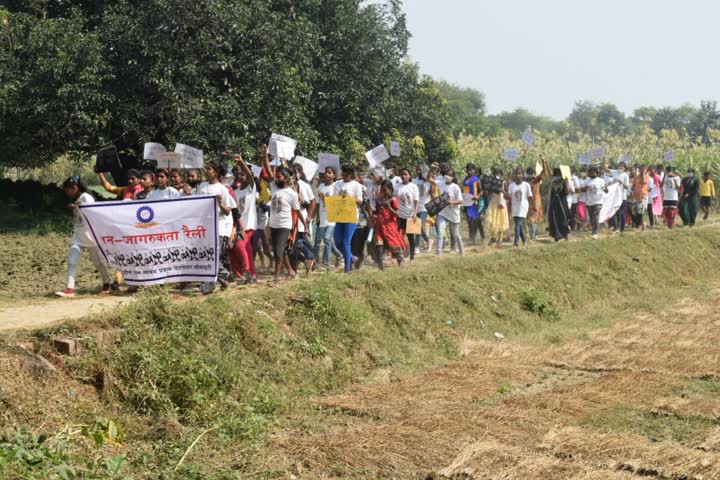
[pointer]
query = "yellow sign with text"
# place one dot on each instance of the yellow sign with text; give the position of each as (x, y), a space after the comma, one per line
(341, 209)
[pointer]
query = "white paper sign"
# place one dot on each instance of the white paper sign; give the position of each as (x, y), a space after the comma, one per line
(160, 241)
(273, 146)
(528, 138)
(584, 159)
(468, 199)
(151, 149)
(625, 158)
(377, 156)
(510, 154)
(168, 160)
(329, 160)
(395, 149)
(191, 157)
(285, 150)
(596, 153)
(309, 167)
(669, 156)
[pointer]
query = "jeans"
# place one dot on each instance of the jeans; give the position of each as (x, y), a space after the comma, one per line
(519, 230)
(325, 235)
(651, 217)
(343, 237)
(620, 217)
(533, 231)
(594, 216)
(74, 258)
(473, 224)
(454, 233)
(423, 233)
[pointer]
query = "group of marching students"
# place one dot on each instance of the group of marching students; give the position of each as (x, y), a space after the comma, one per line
(279, 217)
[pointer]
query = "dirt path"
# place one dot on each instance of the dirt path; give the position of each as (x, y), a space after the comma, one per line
(639, 399)
(54, 312)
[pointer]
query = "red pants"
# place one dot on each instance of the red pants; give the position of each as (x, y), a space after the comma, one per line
(242, 256)
(669, 215)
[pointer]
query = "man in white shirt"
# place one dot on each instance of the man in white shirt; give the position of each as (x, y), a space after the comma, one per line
(619, 220)
(520, 196)
(594, 189)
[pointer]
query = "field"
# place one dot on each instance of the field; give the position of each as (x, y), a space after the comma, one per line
(604, 369)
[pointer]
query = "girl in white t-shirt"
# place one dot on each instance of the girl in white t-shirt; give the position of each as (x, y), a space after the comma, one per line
(344, 231)
(82, 239)
(671, 193)
(408, 197)
(242, 254)
(520, 197)
(162, 190)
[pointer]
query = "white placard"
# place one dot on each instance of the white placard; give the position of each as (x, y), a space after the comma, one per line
(596, 153)
(377, 156)
(273, 145)
(625, 158)
(285, 150)
(528, 138)
(191, 157)
(151, 149)
(510, 154)
(669, 156)
(160, 241)
(584, 159)
(329, 160)
(309, 167)
(168, 160)
(468, 199)
(395, 149)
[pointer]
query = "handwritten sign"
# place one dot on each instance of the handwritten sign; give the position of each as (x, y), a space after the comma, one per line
(341, 209)
(510, 154)
(584, 159)
(329, 160)
(669, 156)
(160, 241)
(150, 149)
(191, 157)
(273, 146)
(285, 150)
(528, 138)
(377, 156)
(395, 149)
(596, 153)
(413, 228)
(309, 167)
(168, 160)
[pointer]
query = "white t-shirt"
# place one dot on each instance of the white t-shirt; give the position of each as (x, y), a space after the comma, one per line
(575, 196)
(520, 194)
(307, 196)
(225, 222)
(326, 190)
(283, 202)
(652, 190)
(670, 188)
(452, 212)
(595, 191)
(407, 195)
(351, 189)
(81, 233)
(247, 206)
(167, 194)
(582, 196)
(622, 178)
(424, 190)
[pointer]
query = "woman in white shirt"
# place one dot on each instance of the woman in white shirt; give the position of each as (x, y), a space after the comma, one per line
(246, 196)
(325, 228)
(408, 197)
(162, 191)
(424, 189)
(594, 188)
(214, 172)
(344, 231)
(520, 196)
(450, 214)
(670, 187)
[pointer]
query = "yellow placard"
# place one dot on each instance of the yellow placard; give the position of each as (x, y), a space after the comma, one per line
(566, 173)
(538, 168)
(341, 209)
(413, 228)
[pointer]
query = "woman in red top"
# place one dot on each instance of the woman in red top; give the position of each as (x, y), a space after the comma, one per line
(387, 236)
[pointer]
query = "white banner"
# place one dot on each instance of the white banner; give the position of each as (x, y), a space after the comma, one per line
(158, 241)
(612, 201)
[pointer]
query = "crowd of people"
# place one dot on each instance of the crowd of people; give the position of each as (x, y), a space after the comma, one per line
(279, 218)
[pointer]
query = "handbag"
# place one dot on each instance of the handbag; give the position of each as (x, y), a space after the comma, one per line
(436, 205)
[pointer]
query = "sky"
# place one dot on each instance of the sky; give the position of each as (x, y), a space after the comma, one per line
(544, 55)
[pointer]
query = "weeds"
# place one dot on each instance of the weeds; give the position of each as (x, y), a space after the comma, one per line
(535, 301)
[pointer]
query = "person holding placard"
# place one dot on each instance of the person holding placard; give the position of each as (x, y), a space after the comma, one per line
(450, 215)
(245, 195)
(408, 197)
(520, 197)
(424, 189)
(619, 221)
(344, 231)
(535, 208)
(326, 229)
(126, 193)
(594, 188)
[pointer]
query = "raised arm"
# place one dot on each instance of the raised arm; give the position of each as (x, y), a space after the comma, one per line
(239, 160)
(264, 160)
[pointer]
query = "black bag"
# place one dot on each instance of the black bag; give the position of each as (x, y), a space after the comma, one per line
(107, 160)
(435, 205)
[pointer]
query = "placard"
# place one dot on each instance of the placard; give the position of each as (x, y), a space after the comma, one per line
(377, 156)
(669, 156)
(285, 150)
(191, 157)
(413, 227)
(538, 169)
(528, 138)
(395, 149)
(566, 172)
(341, 209)
(468, 199)
(309, 167)
(627, 159)
(168, 159)
(329, 160)
(273, 145)
(510, 154)
(584, 159)
(151, 149)
(596, 153)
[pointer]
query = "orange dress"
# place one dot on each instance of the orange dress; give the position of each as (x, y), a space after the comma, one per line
(535, 210)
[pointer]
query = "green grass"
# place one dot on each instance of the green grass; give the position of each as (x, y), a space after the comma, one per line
(239, 363)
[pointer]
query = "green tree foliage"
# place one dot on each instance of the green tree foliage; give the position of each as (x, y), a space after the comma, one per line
(215, 74)
(521, 119)
(467, 109)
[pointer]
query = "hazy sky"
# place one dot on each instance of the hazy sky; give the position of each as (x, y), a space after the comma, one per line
(545, 54)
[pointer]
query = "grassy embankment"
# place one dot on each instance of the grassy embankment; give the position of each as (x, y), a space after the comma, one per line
(235, 365)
